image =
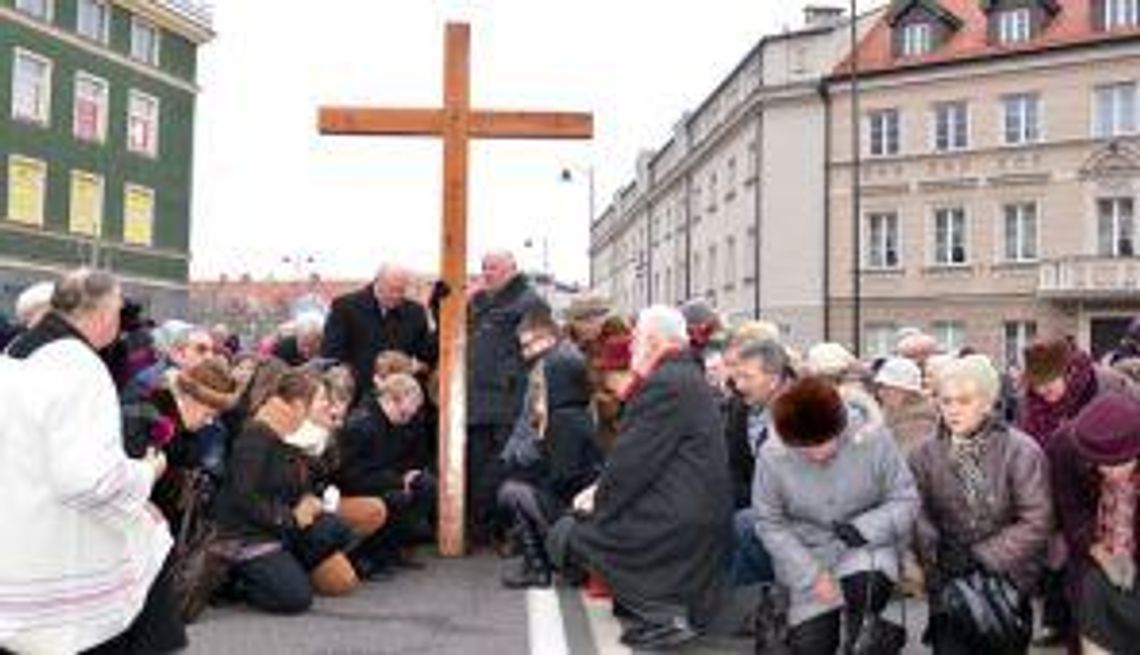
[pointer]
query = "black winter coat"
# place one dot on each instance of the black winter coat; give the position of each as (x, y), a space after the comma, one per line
(375, 454)
(357, 331)
(496, 373)
(663, 509)
(571, 460)
(265, 478)
(741, 461)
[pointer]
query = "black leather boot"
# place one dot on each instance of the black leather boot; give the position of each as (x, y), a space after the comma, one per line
(533, 568)
(772, 620)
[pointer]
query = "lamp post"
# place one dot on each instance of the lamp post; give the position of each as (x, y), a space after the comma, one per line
(568, 176)
(856, 162)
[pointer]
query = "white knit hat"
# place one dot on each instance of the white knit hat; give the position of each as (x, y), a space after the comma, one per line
(900, 373)
(33, 300)
(830, 359)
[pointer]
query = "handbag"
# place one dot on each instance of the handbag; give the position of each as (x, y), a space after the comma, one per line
(201, 560)
(987, 610)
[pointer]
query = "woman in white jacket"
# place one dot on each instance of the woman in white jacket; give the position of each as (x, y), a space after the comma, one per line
(83, 547)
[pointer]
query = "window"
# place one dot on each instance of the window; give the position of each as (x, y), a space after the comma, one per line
(1020, 232)
(93, 20)
(31, 87)
(142, 124)
(138, 215)
(882, 245)
(1014, 26)
(1121, 13)
(916, 39)
(144, 41)
(670, 294)
(884, 132)
(712, 268)
(730, 180)
(878, 340)
(90, 108)
(1115, 227)
(1115, 110)
(86, 204)
(951, 335)
(950, 236)
(27, 187)
(1022, 118)
(712, 190)
(730, 261)
(1018, 335)
(39, 8)
(951, 126)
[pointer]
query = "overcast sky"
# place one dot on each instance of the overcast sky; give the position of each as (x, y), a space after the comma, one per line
(268, 188)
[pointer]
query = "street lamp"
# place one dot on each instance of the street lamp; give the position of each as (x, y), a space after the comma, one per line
(568, 176)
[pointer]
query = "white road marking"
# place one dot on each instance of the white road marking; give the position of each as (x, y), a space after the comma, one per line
(546, 631)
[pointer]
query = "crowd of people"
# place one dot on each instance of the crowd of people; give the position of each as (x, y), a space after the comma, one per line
(707, 478)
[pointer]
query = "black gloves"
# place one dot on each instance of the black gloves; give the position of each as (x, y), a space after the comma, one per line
(849, 535)
(955, 561)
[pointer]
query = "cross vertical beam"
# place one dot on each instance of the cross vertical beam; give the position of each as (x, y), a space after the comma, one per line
(453, 314)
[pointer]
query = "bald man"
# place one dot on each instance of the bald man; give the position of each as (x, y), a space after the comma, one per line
(496, 376)
(379, 317)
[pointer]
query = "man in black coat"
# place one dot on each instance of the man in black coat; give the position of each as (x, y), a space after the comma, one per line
(551, 454)
(380, 317)
(496, 377)
(657, 525)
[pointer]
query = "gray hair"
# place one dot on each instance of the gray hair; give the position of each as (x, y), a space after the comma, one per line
(771, 356)
(976, 369)
(309, 323)
(83, 291)
(665, 321)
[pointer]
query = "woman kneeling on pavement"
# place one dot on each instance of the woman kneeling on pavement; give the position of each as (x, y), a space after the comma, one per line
(986, 512)
(834, 503)
(289, 545)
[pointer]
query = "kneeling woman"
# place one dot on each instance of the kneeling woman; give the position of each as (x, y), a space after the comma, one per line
(288, 545)
(985, 507)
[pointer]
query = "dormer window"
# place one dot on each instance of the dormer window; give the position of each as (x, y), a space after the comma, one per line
(917, 39)
(1121, 14)
(1014, 26)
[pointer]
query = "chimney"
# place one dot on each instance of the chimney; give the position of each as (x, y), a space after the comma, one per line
(822, 16)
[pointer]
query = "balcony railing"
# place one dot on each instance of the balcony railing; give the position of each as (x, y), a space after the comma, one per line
(1090, 277)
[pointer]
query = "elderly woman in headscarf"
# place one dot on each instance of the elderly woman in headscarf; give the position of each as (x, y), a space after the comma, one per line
(985, 501)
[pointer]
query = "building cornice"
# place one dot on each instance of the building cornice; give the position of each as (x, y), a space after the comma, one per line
(99, 50)
(180, 17)
(32, 230)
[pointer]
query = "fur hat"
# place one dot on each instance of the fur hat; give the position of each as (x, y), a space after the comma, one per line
(809, 412)
(210, 383)
(1107, 431)
(830, 359)
(1047, 360)
(587, 307)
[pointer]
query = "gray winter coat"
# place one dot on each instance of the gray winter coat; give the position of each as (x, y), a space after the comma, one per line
(867, 484)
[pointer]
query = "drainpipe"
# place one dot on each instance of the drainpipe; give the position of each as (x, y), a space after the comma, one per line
(825, 96)
(757, 241)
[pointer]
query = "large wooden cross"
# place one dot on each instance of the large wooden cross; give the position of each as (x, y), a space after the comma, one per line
(456, 122)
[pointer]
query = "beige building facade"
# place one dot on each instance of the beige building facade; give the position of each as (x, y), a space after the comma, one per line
(999, 179)
(731, 209)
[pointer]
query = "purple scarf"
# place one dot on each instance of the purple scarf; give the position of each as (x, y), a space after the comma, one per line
(1041, 419)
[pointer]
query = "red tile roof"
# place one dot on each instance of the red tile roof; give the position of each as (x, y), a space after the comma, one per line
(1070, 27)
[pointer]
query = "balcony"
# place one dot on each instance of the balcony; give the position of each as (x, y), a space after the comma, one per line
(1090, 278)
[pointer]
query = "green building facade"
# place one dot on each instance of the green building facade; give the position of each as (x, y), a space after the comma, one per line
(96, 142)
